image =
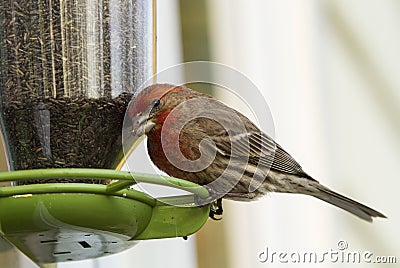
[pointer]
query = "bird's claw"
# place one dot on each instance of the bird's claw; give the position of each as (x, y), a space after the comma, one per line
(215, 200)
(216, 209)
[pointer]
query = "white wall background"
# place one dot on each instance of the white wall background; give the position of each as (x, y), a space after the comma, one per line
(329, 70)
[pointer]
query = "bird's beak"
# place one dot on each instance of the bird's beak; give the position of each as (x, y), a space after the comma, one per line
(131, 137)
(141, 125)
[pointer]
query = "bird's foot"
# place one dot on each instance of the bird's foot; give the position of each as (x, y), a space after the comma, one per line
(214, 199)
(216, 209)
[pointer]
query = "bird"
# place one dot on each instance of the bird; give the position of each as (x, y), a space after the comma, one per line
(195, 137)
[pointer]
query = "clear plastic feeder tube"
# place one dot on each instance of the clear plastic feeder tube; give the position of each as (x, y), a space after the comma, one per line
(67, 72)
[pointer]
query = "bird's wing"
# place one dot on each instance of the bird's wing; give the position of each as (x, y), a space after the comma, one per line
(284, 162)
(262, 151)
(236, 136)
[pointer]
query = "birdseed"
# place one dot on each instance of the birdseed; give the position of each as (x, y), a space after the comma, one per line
(64, 68)
(65, 133)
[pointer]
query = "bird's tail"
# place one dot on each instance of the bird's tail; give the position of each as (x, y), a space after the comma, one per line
(354, 207)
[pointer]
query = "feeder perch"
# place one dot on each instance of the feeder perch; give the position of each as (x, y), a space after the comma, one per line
(58, 222)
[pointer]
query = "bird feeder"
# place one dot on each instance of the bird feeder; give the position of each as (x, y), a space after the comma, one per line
(68, 70)
(59, 222)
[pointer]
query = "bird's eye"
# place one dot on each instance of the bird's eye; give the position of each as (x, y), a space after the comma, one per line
(156, 103)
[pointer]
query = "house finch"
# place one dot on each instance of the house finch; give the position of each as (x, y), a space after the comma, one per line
(197, 138)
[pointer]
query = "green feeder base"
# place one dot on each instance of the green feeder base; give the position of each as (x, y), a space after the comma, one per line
(58, 222)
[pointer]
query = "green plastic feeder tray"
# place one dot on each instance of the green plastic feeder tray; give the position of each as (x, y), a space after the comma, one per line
(58, 222)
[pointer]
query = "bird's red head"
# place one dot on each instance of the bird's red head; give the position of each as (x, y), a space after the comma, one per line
(142, 109)
(147, 96)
